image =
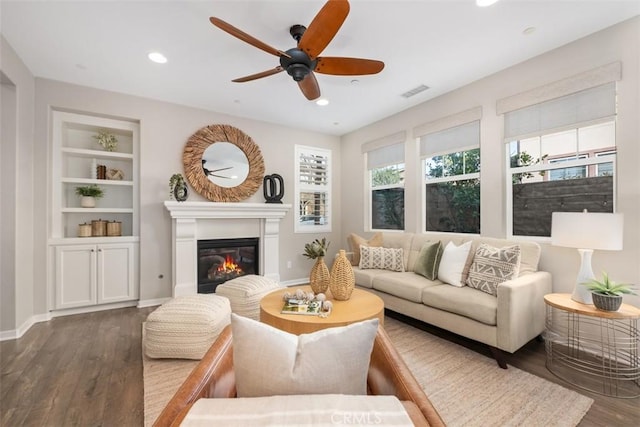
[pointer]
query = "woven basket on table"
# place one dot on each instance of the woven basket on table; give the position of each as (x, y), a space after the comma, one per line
(342, 279)
(319, 276)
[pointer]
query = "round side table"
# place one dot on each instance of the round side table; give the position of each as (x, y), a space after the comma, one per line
(361, 306)
(593, 349)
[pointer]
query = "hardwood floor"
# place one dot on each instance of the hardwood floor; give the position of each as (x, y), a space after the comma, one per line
(86, 370)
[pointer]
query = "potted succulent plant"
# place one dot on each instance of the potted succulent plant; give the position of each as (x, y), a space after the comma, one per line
(88, 195)
(607, 294)
(319, 275)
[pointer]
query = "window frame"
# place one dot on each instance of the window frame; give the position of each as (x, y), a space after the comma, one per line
(301, 187)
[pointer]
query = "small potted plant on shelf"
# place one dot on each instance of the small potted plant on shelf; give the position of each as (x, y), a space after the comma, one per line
(107, 140)
(178, 188)
(607, 294)
(89, 194)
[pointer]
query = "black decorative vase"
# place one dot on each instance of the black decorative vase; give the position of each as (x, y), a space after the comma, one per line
(273, 188)
(181, 192)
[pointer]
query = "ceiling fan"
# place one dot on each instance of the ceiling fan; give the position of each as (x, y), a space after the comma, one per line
(302, 61)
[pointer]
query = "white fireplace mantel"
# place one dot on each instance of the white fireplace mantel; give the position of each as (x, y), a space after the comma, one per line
(197, 220)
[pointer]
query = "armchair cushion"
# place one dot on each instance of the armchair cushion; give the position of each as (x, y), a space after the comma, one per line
(268, 361)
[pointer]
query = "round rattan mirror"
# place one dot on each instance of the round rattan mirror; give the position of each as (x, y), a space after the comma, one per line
(213, 167)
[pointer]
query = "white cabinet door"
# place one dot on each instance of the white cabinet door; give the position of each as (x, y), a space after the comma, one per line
(116, 271)
(75, 277)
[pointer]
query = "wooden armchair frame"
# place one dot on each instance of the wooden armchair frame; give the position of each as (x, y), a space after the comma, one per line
(214, 377)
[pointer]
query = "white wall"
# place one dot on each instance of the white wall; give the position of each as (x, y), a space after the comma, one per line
(164, 129)
(618, 43)
(16, 213)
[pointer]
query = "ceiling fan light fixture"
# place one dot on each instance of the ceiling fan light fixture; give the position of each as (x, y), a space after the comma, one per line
(322, 102)
(485, 3)
(157, 57)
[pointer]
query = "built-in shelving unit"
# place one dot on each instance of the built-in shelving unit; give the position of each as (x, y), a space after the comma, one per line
(87, 271)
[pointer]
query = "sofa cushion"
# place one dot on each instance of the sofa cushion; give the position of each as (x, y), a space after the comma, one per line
(356, 241)
(332, 360)
(428, 261)
(452, 263)
(381, 258)
(465, 301)
(365, 278)
(399, 241)
(407, 285)
(492, 266)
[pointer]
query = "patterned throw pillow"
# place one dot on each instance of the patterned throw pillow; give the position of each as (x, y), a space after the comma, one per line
(381, 258)
(492, 266)
(428, 260)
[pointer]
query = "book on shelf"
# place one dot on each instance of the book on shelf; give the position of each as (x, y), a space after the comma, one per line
(298, 306)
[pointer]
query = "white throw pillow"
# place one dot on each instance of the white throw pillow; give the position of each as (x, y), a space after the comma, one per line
(269, 362)
(381, 258)
(452, 263)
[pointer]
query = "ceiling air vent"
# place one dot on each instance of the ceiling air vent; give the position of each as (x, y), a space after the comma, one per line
(415, 91)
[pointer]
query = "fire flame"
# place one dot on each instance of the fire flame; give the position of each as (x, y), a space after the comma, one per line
(229, 266)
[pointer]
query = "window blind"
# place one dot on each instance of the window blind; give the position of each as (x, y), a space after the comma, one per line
(313, 169)
(580, 107)
(385, 156)
(458, 138)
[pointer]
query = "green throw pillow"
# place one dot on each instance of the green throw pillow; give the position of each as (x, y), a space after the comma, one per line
(429, 260)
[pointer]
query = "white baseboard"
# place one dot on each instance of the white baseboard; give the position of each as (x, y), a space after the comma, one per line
(92, 308)
(296, 282)
(14, 334)
(152, 302)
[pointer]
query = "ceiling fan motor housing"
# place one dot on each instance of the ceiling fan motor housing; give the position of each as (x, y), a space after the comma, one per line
(299, 65)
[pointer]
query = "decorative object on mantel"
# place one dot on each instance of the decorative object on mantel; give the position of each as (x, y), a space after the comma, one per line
(114, 174)
(607, 294)
(273, 188)
(89, 194)
(107, 140)
(202, 176)
(178, 188)
(586, 231)
(342, 279)
(319, 276)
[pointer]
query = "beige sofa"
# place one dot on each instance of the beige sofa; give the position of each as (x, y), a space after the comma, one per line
(503, 322)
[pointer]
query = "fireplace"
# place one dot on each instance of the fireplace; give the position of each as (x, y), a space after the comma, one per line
(220, 260)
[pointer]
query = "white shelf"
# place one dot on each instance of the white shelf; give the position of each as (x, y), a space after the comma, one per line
(96, 210)
(82, 152)
(94, 240)
(96, 181)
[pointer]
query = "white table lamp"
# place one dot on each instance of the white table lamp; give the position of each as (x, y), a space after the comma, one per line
(586, 231)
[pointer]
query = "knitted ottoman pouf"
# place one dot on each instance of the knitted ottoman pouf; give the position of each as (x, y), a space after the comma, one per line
(245, 293)
(185, 327)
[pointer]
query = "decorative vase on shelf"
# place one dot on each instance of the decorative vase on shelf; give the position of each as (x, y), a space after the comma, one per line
(181, 192)
(319, 276)
(342, 279)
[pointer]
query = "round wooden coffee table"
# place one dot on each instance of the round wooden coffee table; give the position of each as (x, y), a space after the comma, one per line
(361, 306)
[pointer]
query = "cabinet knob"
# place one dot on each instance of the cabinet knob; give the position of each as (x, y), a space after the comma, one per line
(92, 250)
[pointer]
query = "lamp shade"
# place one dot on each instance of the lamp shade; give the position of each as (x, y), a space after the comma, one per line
(587, 230)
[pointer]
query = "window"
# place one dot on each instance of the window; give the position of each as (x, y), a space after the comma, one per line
(565, 162)
(451, 166)
(387, 197)
(313, 189)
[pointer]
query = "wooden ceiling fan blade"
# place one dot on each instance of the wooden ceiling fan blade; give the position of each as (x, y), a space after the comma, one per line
(225, 26)
(260, 75)
(309, 86)
(348, 66)
(324, 27)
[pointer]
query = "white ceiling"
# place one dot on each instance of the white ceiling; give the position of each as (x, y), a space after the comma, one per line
(443, 44)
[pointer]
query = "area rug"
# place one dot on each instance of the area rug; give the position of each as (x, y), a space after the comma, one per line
(467, 388)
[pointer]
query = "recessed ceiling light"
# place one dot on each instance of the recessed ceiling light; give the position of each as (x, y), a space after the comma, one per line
(485, 3)
(157, 57)
(529, 30)
(322, 102)
(355, 81)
